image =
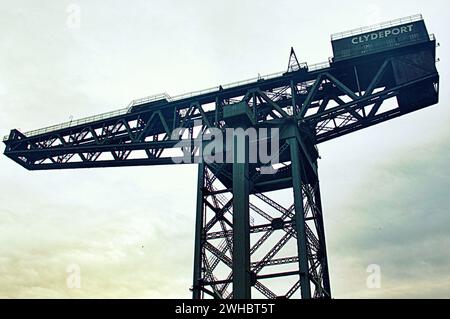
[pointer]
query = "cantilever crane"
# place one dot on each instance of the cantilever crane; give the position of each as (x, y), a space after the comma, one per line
(246, 241)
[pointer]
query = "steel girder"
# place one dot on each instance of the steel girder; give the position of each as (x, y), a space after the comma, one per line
(329, 106)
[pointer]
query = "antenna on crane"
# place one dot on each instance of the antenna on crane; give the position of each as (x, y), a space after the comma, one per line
(293, 65)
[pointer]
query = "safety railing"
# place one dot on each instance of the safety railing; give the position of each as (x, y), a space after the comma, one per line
(157, 97)
(149, 99)
(376, 27)
(68, 124)
(319, 66)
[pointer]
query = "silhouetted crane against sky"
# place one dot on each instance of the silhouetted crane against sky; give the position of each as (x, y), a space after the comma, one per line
(257, 234)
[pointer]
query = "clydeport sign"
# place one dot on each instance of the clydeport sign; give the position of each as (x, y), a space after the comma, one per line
(353, 46)
(382, 34)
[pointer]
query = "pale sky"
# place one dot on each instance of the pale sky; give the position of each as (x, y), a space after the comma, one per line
(385, 190)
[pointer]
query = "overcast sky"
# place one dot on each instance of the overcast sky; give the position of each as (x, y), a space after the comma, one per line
(385, 190)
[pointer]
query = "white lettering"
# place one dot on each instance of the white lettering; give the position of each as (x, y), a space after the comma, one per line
(186, 309)
(382, 34)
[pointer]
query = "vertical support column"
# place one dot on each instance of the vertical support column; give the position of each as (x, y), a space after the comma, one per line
(302, 244)
(241, 220)
(357, 81)
(196, 291)
(294, 99)
(323, 247)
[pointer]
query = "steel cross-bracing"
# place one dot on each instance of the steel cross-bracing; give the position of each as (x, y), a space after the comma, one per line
(318, 100)
(249, 241)
(284, 251)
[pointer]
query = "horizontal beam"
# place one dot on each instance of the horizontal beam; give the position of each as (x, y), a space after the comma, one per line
(55, 150)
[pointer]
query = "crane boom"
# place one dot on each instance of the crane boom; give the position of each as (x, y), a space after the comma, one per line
(331, 99)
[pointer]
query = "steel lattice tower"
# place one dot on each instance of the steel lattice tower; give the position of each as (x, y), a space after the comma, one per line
(249, 241)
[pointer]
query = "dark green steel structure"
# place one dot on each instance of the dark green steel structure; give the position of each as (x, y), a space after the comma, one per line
(249, 241)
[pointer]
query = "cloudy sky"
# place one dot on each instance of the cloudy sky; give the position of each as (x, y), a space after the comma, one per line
(130, 230)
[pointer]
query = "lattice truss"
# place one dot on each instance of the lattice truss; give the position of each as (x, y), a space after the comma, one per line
(274, 254)
(329, 106)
